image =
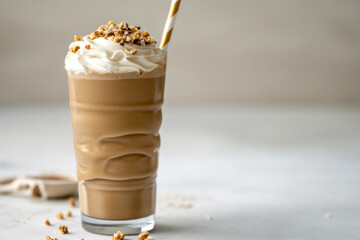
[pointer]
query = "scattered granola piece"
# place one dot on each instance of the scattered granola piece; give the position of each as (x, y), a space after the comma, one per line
(63, 229)
(72, 201)
(68, 214)
(118, 236)
(77, 38)
(47, 223)
(87, 46)
(49, 238)
(143, 236)
(59, 216)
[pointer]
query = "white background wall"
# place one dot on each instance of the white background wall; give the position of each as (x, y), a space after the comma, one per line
(263, 51)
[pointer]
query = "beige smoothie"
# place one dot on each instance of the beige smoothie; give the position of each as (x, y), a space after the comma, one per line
(116, 81)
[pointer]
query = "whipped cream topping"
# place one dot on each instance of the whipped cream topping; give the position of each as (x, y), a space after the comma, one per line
(102, 56)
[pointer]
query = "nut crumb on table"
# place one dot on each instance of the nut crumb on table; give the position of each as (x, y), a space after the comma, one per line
(72, 201)
(49, 238)
(59, 216)
(118, 236)
(68, 214)
(63, 229)
(144, 236)
(47, 222)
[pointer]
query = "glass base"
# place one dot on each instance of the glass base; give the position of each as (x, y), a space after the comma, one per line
(109, 227)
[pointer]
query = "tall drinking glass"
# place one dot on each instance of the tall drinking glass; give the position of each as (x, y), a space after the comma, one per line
(116, 119)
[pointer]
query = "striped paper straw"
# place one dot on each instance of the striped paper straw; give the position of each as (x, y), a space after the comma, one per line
(169, 25)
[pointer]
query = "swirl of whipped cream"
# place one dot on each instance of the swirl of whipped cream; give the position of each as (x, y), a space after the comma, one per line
(105, 56)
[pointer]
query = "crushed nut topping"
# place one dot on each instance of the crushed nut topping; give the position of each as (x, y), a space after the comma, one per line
(120, 33)
(132, 52)
(75, 49)
(77, 38)
(72, 201)
(63, 229)
(47, 223)
(59, 216)
(118, 236)
(146, 33)
(143, 236)
(87, 46)
(111, 22)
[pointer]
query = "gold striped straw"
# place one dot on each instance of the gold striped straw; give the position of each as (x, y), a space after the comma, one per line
(169, 25)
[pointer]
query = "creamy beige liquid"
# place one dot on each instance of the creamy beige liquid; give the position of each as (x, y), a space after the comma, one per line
(116, 120)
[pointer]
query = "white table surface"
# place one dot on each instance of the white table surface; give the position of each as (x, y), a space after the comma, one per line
(248, 172)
